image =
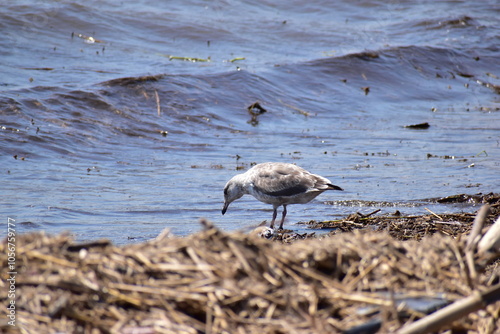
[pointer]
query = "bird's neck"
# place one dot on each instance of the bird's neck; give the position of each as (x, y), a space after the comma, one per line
(244, 182)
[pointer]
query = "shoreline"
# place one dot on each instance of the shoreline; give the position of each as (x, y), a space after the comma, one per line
(215, 281)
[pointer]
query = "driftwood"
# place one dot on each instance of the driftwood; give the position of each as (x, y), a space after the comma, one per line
(491, 240)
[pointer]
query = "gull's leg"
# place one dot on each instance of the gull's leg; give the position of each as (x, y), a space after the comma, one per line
(283, 218)
(275, 213)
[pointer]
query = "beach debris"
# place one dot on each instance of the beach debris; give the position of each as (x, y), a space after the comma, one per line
(478, 246)
(264, 232)
(215, 282)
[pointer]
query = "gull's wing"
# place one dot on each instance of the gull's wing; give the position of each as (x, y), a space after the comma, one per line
(280, 179)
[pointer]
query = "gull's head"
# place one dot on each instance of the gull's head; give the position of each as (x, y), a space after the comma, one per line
(232, 191)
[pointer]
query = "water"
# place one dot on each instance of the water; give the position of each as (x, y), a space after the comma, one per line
(84, 148)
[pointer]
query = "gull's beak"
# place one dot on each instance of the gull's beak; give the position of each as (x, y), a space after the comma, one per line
(224, 209)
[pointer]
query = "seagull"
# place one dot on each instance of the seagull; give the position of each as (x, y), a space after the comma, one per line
(278, 184)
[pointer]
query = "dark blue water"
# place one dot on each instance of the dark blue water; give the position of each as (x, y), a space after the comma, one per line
(106, 133)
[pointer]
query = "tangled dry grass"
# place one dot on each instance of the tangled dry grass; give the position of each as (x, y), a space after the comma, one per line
(216, 282)
(358, 281)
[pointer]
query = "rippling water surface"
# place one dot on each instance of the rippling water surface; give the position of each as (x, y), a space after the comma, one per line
(120, 119)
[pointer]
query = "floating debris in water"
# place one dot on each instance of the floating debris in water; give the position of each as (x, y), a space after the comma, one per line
(87, 39)
(191, 59)
(255, 109)
(237, 59)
